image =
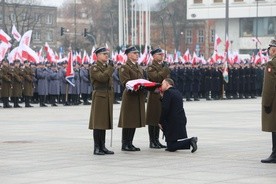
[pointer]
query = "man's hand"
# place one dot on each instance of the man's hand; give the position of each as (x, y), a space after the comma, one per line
(267, 109)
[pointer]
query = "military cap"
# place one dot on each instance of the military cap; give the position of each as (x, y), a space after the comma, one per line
(16, 61)
(156, 51)
(131, 49)
(26, 61)
(101, 50)
(272, 43)
(85, 62)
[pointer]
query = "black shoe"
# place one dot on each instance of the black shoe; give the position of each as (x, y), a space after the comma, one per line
(127, 147)
(17, 106)
(196, 99)
(86, 103)
(269, 160)
(154, 145)
(43, 105)
(161, 145)
(116, 102)
(194, 144)
(97, 151)
(54, 105)
(189, 100)
(135, 149)
(108, 152)
(28, 106)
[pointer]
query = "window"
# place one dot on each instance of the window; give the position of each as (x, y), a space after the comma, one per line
(265, 26)
(238, 0)
(36, 35)
(49, 19)
(188, 36)
(24, 16)
(218, 1)
(200, 36)
(49, 35)
(197, 1)
(38, 17)
(212, 37)
(13, 17)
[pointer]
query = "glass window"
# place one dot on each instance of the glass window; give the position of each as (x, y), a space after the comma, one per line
(49, 36)
(188, 36)
(13, 17)
(38, 17)
(238, 0)
(36, 35)
(200, 35)
(218, 1)
(197, 1)
(212, 36)
(49, 19)
(265, 26)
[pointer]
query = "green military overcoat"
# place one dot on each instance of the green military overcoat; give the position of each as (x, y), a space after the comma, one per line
(28, 74)
(132, 114)
(17, 82)
(101, 115)
(269, 97)
(156, 73)
(6, 76)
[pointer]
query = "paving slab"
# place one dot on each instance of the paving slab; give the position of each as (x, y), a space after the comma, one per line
(53, 145)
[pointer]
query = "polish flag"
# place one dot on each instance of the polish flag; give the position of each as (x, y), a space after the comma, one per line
(29, 54)
(85, 57)
(15, 33)
(195, 59)
(78, 57)
(227, 44)
(26, 38)
(187, 56)
(3, 50)
(4, 37)
(50, 55)
(93, 55)
(217, 42)
(69, 76)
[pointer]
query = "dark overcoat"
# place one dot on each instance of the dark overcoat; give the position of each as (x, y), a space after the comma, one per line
(269, 97)
(85, 86)
(132, 114)
(6, 76)
(54, 86)
(28, 75)
(173, 118)
(101, 115)
(156, 73)
(42, 81)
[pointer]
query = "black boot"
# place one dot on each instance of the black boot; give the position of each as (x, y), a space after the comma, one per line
(152, 137)
(126, 146)
(27, 101)
(97, 143)
(16, 102)
(6, 102)
(272, 157)
(156, 135)
(131, 133)
(41, 101)
(102, 145)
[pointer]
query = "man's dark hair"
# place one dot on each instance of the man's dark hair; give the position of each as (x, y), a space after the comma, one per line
(170, 81)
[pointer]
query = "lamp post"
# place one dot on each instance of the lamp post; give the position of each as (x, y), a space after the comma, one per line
(164, 35)
(257, 22)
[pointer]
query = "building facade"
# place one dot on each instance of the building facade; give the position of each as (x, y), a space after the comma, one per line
(249, 20)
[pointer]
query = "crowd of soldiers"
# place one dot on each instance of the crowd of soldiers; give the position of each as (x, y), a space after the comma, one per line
(45, 82)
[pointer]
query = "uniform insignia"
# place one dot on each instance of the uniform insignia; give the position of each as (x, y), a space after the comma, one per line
(122, 69)
(269, 69)
(150, 68)
(95, 69)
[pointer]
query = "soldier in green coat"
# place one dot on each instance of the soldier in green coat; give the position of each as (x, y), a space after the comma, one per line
(269, 100)
(6, 76)
(17, 84)
(157, 72)
(28, 75)
(132, 114)
(101, 116)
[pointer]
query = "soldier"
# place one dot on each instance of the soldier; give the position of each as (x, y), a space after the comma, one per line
(17, 81)
(208, 81)
(63, 83)
(116, 84)
(196, 76)
(42, 83)
(6, 75)
(28, 75)
(85, 84)
(132, 113)
(269, 101)
(156, 73)
(54, 86)
(74, 91)
(101, 116)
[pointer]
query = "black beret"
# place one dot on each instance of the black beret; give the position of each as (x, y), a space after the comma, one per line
(156, 51)
(131, 49)
(101, 50)
(272, 43)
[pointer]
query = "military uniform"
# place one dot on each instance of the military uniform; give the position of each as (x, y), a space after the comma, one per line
(101, 115)
(17, 82)
(132, 114)
(28, 85)
(269, 101)
(6, 75)
(156, 73)
(85, 84)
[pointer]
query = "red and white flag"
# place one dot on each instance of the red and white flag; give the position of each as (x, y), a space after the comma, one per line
(29, 54)
(217, 42)
(16, 35)
(4, 37)
(187, 56)
(50, 55)
(69, 76)
(26, 38)
(3, 50)
(227, 44)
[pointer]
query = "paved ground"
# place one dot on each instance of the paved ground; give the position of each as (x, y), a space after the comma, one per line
(53, 146)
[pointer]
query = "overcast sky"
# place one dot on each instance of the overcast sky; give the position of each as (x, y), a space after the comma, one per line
(52, 2)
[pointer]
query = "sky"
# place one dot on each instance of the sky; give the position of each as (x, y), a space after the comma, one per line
(52, 2)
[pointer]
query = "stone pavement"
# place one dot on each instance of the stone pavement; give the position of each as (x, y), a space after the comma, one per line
(53, 145)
